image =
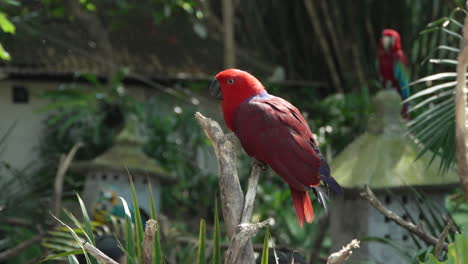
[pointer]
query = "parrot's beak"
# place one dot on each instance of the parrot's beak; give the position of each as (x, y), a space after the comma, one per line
(387, 42)
(215, 90)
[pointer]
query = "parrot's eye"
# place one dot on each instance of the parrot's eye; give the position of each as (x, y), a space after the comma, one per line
(230, 81)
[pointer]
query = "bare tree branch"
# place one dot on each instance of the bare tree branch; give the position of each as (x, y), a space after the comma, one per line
(11, 252)
(341, 256)
(101, 257)
(417, 230)
(251, 191)
(439, 246)
(58, 183)
(232, 197)
(244, 233)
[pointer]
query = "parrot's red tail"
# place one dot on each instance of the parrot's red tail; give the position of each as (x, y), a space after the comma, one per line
(303, 206)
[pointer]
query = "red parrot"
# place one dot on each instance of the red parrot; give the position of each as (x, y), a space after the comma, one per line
(394, 66)
(272, 130)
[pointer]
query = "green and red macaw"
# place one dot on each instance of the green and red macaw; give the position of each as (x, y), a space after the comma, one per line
(272, 130)
(393, 66)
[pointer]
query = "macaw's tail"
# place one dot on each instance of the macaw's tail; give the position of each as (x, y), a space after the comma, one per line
(303, 206)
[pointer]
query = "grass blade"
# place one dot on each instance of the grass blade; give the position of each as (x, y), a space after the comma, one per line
(216, 236)
(157, 251)
(265, 246)
(88, 228)
(137, 217)
(64, 254)
(201, 243)
(129, 243)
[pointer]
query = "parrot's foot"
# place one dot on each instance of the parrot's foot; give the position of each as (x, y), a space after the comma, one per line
(321, 196)
(255, 162)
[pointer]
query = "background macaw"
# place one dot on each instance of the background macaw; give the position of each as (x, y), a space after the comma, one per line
(272, 130)
(393, 66)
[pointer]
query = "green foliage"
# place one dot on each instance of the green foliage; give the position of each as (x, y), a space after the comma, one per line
(433, 107)
(264, 259)
(457, 252)
(7, 27)
(216, 236)
(201, 259)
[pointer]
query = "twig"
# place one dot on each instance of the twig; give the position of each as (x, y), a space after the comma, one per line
(58, 183)
(342, 255)
(244, 233)
(148, 241)
(17, 222)
(101, 257)
(417, 230)
(322, 228)
(442, 237)
(11, 252)
(249, 200)
(232, 197)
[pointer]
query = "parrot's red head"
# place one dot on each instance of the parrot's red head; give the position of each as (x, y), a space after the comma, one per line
(234, 87)
(390, 40)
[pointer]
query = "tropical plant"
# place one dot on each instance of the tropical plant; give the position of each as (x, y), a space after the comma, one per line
(68, 241)
(433, 107)
(457, 252)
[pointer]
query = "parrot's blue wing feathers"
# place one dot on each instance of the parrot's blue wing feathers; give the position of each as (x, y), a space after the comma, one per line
(325, 172)
(402, 76)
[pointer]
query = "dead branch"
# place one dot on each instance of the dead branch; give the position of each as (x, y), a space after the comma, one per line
(11, 252)
(257, 167)
(148, 241)
(417, 230)
(315, 21)
(341, 256)
(439, 246)
(232, 197)
(322, 228)
(58, 183)
(101, 257)
(244, 233)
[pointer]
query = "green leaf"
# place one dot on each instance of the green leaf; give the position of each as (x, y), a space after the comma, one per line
(4, 55)
(5, 24)
(201, 243)
(12, 2)
(216, 236)
(129, 242)
(138, 222)
(72, 260)
(64, 254)
(77, 238)
(88, 228)
(157, 251)
(265, 246)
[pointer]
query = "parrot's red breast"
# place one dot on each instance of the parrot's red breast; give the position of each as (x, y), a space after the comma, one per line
(272, 130)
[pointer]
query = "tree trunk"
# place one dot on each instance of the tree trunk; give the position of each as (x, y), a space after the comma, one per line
(460, 112)
(229, 40)
(311, 10)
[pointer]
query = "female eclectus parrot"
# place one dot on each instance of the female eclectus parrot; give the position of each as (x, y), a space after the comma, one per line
(272, 130)
(393, 66)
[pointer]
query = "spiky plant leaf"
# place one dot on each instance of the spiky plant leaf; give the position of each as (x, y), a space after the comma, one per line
(139, 232)
(216, 236)
(129, 242)
(157, 251)
(64, 254)
(201, 243)
(266, 248)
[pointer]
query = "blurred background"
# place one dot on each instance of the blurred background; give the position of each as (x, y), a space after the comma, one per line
(125, 78)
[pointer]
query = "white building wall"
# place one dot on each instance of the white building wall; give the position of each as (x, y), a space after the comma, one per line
(20, 148)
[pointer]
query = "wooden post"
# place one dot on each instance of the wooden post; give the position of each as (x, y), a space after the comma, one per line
(460, 112)
(229, 40)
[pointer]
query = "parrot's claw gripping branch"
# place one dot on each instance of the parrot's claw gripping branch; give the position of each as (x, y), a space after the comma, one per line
(237, 210)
